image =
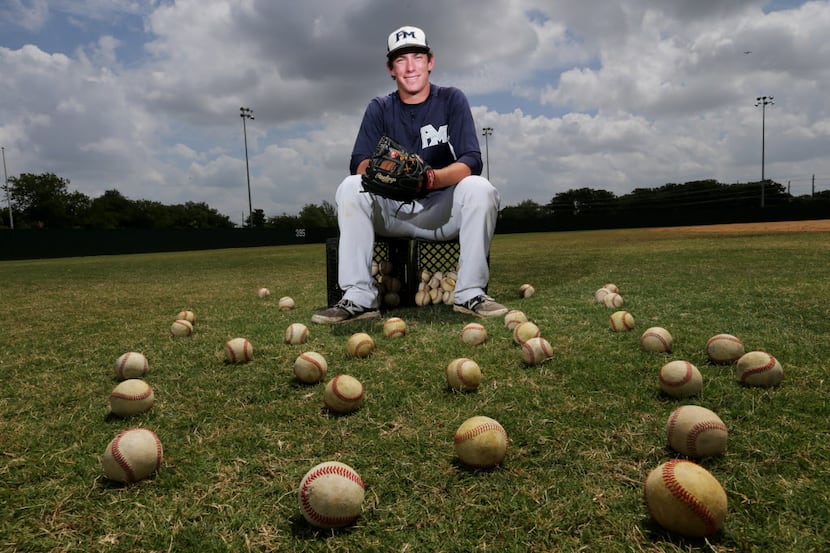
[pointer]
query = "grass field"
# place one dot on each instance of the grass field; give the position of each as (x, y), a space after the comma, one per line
(585, 428)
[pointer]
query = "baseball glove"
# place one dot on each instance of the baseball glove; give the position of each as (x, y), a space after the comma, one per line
(396, 173)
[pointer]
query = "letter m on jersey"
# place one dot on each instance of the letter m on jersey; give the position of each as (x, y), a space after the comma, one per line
(430, 136)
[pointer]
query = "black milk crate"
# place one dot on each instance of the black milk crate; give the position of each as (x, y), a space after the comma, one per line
(394, 250)
(434, 256)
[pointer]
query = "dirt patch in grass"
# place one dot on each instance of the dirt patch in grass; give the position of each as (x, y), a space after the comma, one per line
(819, 225)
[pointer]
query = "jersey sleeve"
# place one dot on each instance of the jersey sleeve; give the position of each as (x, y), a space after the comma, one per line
(371, 129)
(463, 136)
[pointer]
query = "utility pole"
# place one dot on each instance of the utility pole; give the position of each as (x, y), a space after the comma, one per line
(247, 113)
(8, 197)
(763, 101)
(487, 131)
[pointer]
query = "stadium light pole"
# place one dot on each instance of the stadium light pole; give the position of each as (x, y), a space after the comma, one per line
(763, 101)
(8, 197)
(247, 113)
(487, 131)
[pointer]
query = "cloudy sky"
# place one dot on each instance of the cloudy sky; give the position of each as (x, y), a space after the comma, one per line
(143, 96)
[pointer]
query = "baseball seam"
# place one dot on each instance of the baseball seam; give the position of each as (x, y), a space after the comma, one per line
(686, 497)
(314, 362)
(121, 460)
(231, 353)
(697, 430)
(655, 335)
(459, 372)
(133, 397)
(478, 430)
(757, 370)
(305, 498)
(342, 396)
(686, 377)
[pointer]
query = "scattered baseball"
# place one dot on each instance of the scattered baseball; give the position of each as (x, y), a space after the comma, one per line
(474, 334)
(611, 287)
(343, 394)
(422, 298)
(612, 299)
(238, 350)
(685, 498)
(656, 339)
(186, 315)
(758, 368)
(621, 321)
(132, 455)
(696, 431)
(360, 344)
(131, 365)
(680, 379)
(181, 327)
(601, 293)
(480, 442)
(286, 304)
(131, 397)
(263, 292)
(331, 495)
(513, 318)
(536, 351)
(394, 327)
(724, 349)
(463, 375)
(296, 333)
(310, 367)
(523, 332)
(526, 290)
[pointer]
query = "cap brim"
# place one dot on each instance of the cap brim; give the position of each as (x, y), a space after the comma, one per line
(408, 49)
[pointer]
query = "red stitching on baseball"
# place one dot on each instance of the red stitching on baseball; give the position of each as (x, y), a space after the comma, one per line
(305, 500)
(344, 397)
(697, 430)
(726, 337)
(133, 397)
(682, 494)
(655, 335)
(686, 377)
(311, 359)
(756, 370)
(159, 450)
(120, 459)
(478, 430)
(231, 353)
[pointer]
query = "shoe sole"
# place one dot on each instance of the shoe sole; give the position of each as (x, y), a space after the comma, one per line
(364, 315)
(490, 315)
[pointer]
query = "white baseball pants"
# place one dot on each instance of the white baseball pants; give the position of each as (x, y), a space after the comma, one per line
(467, 211)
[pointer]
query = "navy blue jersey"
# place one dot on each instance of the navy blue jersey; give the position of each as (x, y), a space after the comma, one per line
(440, 129)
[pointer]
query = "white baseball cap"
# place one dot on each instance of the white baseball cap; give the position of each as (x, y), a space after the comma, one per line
(406, 37)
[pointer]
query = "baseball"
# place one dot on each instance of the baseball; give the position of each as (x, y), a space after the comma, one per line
(186, 315)
(131, 365)
(360, 344)
(536, 351)
(656, 339)
(310, 367)
(601, 293)
(131, 397)
(612, 299)
(480, 442)
(331, 495)
(523, 332)
(696, 431)
(685, 498)
(238, 350)
(422, 298)
(296, 333)
(394, 327)
(343, 394)
(526, 290)
(513, 318)
(391, 299)
(474, 334)
(611, 287)
(386, 267)
(286, 303)
(132, 455)
(680, 379)
(621, 321)
(463, 375)
(263, 292)
(181, 327)
(724, 349)
(758, 368)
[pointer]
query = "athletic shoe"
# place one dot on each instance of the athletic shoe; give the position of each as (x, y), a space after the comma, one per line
(481, 306)
(344, 311)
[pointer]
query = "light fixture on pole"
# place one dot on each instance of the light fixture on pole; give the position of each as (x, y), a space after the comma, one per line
(247, 113)
(8, 198)
(763, 101)
(487, 131)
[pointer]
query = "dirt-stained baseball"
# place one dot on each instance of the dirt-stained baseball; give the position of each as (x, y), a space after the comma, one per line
(523, 332)
(286, 303)
(613, 299)
(187, 315)
(310, 367)
(685, 498)
(480, 442)
(131, 365)
(238, 350)
(536, 351)
(621, 321)
(360, 345)
(724, 349)
(759, 368)
(133, 455)
(422, 298)
(526, 290)
(611, 287)
(463, 375)
(394, 327)
(131, 397)
(296, 333)
(343, 394)
(181, 327)
(474, 334)
(656, 339)
(263, 293)
(696, 431)
(513, 318)
(601, 293)
(331, 495)
(680, 379)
